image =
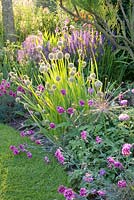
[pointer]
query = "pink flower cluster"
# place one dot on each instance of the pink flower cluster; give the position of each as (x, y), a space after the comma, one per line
(31, 134)
(98, 140)
(114, 163)
(126, 149)
(83, 135)
(5, 89)
(59, 156)
(19, 149)
(124, 117)
(26, 133)
(88, 178)
(68, 193)
(122, 184)
(20, 89)
(40, 88)
(31, 48)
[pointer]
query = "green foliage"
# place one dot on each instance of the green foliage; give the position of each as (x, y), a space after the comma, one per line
(88, 156)
(51, 4)
(23, 178)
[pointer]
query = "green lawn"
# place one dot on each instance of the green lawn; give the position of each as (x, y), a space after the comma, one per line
(27, 179)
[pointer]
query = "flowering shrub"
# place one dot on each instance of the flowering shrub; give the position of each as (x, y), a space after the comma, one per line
(31, 48)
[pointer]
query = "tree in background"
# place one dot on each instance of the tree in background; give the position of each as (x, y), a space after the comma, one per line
(8, 21)
(51, 4)
(114, 18)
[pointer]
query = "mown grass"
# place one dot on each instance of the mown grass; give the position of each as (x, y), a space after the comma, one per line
(27, 179)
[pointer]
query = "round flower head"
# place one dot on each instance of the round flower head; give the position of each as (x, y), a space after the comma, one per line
(92, 76)
(29, 154)
(98, 84)
(90, 102)
(102, 172)
(58, 78)
(117, 164)
(63, 92)
(17, 99)
(38, 141)
(60, 43)
(60, 109)
(70, 111)
(84, 135)
(71, 65)
(22, 134)
(43, 68)
(81, 103)
(69, 194)
(101, 193)
(51, 56)
(84, 64)
(80, 51)
(61, 189)
(124, 117)
(71, 79)
(59, 55)
(67, 56)
(122, 184)
(83, 192)
(98, 140)
(53, 87)
(132, 90)
(90, 90)
(52, 125)
(123, 102)
(126, 149)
